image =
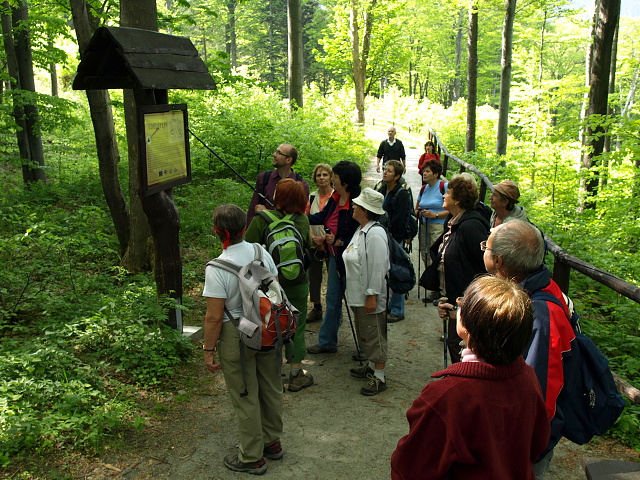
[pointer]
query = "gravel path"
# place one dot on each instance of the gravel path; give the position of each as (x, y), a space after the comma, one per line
(331, 431)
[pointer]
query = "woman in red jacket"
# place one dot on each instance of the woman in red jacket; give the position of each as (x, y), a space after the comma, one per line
(486, 418)
(429, 153)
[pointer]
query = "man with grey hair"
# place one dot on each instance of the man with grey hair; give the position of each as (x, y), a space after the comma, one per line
(391, 149)
(515, 250)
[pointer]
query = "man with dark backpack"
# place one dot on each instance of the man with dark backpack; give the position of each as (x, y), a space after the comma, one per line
(515, 250)
(284, 158)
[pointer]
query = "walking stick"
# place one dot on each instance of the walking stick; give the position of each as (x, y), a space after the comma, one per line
(419, 255)
(346, 304)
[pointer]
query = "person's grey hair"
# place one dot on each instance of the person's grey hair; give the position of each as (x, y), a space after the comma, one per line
(520, 245)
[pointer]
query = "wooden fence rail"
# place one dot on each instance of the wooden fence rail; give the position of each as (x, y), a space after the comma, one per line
(563, 263)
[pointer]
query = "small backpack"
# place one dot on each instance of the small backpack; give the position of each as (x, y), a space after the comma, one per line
(412, 222)
(589, 400)
(401, 277)
(284, 243)
(268, 318)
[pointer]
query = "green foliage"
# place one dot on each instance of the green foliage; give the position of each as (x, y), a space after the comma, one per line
(245, 126)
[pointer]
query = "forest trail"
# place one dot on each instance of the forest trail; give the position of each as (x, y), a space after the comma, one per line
(331, 430)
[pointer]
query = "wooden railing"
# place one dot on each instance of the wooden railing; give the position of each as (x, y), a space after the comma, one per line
(563, 261)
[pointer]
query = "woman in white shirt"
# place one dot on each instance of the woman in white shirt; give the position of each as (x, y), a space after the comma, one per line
(366, 262)
(259, 407)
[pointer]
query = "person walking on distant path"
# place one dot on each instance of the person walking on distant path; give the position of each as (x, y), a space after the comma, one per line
(284, 158)
(391, 149)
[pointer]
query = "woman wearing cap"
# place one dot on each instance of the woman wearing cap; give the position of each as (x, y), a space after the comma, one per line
(485, 417)
(366, 261)
(503, 202)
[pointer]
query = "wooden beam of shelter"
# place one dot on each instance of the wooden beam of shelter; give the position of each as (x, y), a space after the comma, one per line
(132, 58)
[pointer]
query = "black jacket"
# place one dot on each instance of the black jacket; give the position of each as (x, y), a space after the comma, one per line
(463, 258)
(397, 206)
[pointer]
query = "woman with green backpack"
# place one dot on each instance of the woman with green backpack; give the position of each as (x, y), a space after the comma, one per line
(285, 234)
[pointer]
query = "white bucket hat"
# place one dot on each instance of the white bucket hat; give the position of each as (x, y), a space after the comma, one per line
(370, 200)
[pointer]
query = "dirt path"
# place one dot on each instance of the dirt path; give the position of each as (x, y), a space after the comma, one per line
(331, 431)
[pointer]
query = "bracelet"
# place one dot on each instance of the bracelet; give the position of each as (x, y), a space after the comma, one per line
(207, 350)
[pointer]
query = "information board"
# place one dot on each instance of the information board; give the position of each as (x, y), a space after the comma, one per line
(164, 147)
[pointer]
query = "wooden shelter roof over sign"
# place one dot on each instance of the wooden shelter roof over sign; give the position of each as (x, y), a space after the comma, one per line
(124, 58)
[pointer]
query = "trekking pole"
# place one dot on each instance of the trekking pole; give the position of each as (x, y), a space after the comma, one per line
(346, 304)
(445, 322)
(419, 255)
(232, 169)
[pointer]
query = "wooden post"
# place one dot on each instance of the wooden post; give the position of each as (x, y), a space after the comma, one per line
(164, 222)
(561, 274)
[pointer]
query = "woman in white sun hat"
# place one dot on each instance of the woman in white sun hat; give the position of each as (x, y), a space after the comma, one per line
(366, 261)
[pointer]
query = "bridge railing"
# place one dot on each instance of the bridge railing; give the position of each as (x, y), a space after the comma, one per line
(563, 262)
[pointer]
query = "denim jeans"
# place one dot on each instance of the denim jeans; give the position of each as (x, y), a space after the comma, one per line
(396, 304)
(328, 336)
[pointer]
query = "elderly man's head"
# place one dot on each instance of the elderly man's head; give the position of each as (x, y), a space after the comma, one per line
(514, 250)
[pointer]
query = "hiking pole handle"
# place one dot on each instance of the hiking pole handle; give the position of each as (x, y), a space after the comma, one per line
(269, 202)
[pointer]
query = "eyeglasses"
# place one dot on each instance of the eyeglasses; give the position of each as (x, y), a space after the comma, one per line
(483, 246)
(278, 152)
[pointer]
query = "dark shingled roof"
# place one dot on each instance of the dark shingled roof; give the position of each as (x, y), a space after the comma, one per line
(119, 58)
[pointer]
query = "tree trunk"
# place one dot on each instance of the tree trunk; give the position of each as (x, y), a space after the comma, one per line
(159, 208)
(587, 77)
(607, 22)
(505, 78)
(18, 110)
(137, 258)
(472, 79)
(85, 24)
(360, 56)
(231, 42)
(358, 70)
(459, 34)
(33, 162)
(294, 23)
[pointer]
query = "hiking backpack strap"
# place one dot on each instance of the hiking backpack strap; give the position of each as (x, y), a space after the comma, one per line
(235, 269)
(266, 176)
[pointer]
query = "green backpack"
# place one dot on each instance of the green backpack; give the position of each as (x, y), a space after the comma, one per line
(284, 243)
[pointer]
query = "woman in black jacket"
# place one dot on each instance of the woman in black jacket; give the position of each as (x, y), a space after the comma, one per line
(457, 255)
(337, 218)
(397, 207)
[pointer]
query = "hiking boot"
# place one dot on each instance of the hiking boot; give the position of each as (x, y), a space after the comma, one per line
(431, 296)
(359, 357)
(313, 349)
(391, 318)
(363, 372)
(314, 315)
(232, 462)
(300, 381)
(273, 451)
(374, 387)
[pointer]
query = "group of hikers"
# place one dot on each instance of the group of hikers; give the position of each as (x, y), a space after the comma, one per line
(495, 412)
